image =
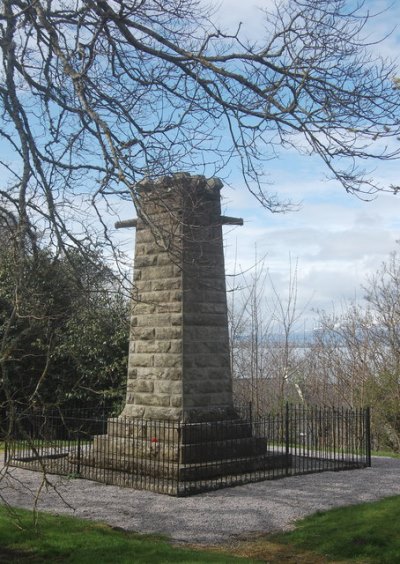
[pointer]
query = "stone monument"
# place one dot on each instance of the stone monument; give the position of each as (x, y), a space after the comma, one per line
(179, 362)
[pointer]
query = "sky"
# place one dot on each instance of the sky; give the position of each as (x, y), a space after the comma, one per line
(336, 239)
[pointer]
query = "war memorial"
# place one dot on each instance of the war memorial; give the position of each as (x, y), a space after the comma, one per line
(180, 431)
(179, 361)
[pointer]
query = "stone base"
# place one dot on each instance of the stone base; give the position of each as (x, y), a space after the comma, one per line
(182, 452)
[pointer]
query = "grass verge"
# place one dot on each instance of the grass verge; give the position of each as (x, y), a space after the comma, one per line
(59, 539)
(367, 533)
(386, 453)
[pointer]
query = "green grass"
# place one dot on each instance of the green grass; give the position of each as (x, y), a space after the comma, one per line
(388, 453)
(367, 533)
(66, 539)
(23, 445)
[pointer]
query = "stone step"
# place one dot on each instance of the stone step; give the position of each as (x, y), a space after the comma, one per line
(174, 452)
(186, 433)
(264, 462)
(221, 450)
(215, 431)
(188, 472)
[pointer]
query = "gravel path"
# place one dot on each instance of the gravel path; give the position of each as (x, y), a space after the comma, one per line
(209, 518)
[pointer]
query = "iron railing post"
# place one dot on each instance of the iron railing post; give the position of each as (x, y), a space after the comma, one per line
(367, 419)
(7, 436)
(78, 466)
(287, 438)
(6, 439)
(178, 438)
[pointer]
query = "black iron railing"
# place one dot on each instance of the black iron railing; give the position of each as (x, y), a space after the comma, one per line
(186, 458)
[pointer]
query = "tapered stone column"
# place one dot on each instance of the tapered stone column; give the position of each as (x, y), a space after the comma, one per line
(179, 362)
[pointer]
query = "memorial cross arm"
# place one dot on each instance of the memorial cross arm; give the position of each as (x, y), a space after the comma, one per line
(126, 223)
(225, 220)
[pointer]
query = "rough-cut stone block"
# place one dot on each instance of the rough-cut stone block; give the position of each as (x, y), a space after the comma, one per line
(170, 373)
(206, 307)
(162, 272)
(168, 360)
(153, 346)
(168, 387)
(143, 359)
(207, 347)
(176, 346)
(198, 386)
(170, 414)
(163, 259)
(142, 308)
(160, 297)
(148, 372)
(158, 320)
(207, 399)
(203, 360)
(212, 319)
(175, 332)
(132, 410)
(142, 333)
(162, 400)
(169, 284)
(204, 333)
(172, 307)
(142, 386)
(146, 260)
(177, 401)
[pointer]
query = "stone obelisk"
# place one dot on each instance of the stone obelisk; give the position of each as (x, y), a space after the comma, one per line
(179, 362)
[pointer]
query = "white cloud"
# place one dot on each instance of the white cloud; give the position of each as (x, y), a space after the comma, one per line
(231, 13)
(337, 239)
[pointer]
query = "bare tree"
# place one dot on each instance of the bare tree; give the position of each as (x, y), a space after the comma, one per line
(383, 297)
(340, 358)
(286, 316)
(266, 349)
(250, 331)
(355, 357)
(96, 95)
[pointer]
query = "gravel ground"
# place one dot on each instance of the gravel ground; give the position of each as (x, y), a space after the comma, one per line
(209, 518)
